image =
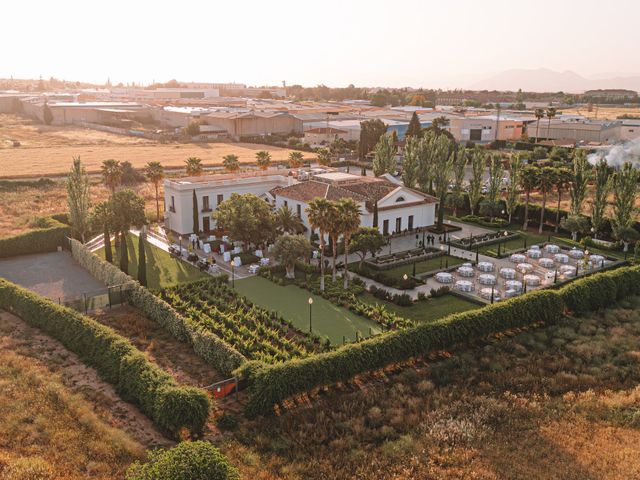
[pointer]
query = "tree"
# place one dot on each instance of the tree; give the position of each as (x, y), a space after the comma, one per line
(288, 249)
(366, 240)
(375, 214)
(496, 174)
(410, 161)
(193, 129)
(539, 114)
(562, 181)
(263, 159)
(349, 213)
(102, 220)
(296, 159)
(625, 188)
(130, 176)
(198, 460)
(424, 174)
(324, 156)
(111, 174)
(195, 213)
(128, 211)
(579, 181)
(370, 133)
(575, 224)
(477, 174)
(385, 156)
(155, 173)
(334, 229)
(414, 129)
(545, 185)
(551, 113)
(247, 218)
(194, 166)
(142, 259)
(47, 116)
(287, 222)
(459, 167)
(603, 182)
(231, 163)
(515, 175)
(78, 199)
(318, 214)
(443, 154)
(530, 177)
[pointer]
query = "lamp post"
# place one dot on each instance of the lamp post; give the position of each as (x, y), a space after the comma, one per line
(492, 293)
(555, 276)
(233, 274)
(442, 250)
(404, 283)
(180, 245)
(423, 238)
(414, 268)
(477, 254)
(310, 301)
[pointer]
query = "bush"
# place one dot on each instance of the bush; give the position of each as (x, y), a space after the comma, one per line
(497, 222)
(171, 407)
(227, 421)
(187, 461)
(247, 258)
(50, 235)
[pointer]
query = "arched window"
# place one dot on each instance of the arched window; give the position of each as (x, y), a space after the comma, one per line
(400, 199)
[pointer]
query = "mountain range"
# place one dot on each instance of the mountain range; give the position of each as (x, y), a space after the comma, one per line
(545, 80)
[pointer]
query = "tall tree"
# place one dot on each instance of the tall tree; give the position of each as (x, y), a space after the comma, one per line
(196, 213)
(410, 161)
(551, 113)
(263, 159)
(477, 174)
(194, 166)
(231, 163)
(370, 133)
(154, 172)
(142, 259)
(78, 199)
(334, 229)
(625, 188)
(545, 185)
(287, 222)
(515, 175)
(385, 156)
(296, 159)
(288, 249)
(318, 214)
(562, 181)
(128, 211)
(459, 168)
(530, 177)
(247, 218)
(102, 220)
(349, 213)
(443, 159)
(539, 114)
(366, 240)
(579, 181)
(425, 163)
(414, 129)
(603, 182)
(324, 156)
(111, 174)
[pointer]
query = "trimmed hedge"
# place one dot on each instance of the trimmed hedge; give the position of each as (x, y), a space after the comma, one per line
(272, 384)
(118, 362)
(43, 240)
(211, 348)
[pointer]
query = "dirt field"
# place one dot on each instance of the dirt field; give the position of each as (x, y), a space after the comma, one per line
(603, 112)
(48, 150)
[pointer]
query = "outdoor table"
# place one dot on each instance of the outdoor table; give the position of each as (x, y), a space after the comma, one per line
(576, 253)
(464, 285)
(237, 250)
(264, 261)
(485, 266)
(532, 280)
(226, 256)
(237, 262)
(253, 268)
(551, 248)
(517, 258)
(214, 269)
(513, 285)
(444, 277)
(507, 273)
(487, 292)
(561, 258)
(524, 267)
(258, 253)
(567, 270)
(225, 238)
(510, 293)
(206, 248)
(465, 271)
(546, 262)
(598, 261)
(487, 279)
(535, 247)
(534, 253)
(468, 264)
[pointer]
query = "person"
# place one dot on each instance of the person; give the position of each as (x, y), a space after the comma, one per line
(439, 238)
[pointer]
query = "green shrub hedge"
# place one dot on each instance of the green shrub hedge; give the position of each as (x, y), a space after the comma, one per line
(46, 239)
(137, 380)
(272, 384)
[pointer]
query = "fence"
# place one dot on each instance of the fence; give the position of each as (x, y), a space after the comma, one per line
(98, 299)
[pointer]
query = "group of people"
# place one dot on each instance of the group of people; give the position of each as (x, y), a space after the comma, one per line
(431, 239)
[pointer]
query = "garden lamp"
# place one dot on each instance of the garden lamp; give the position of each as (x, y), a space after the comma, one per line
(310, 301)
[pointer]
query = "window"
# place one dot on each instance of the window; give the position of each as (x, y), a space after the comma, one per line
(220, 198)
(286, 204)
(398, 224)
(299, 210)
(385, 227)
(173, 204)
(400, 199)
(206, 224)
(205, 204)
(410, 222)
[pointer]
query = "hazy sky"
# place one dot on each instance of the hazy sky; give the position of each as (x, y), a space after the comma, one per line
(442, 43)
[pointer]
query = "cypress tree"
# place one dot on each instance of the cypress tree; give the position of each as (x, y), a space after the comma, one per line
(108, 255)
(124, 255)
(414, 128)
(196, 216)
(142, 260)
(375, 215)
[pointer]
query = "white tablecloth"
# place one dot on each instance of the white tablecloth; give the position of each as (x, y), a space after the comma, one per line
(576, 253)
(226, 256)
(253, 268)
(487, 279)
(206, 248)
(444, 277)
(508, 272)
(518, 258)
(486, 293)
(524, 267)
(551, 248)
(534, 253)
(546, 262)
(567, 270)
(561, 258)
(485, 266)
(513, 285)
(532, 280)
(465, 271)
(597, 260)
(264, 261)
(237, 262)
(464, 285)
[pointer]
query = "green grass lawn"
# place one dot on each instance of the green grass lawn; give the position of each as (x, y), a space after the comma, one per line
(423, 266)
(162, 269)
(428, 310)
(291, 302)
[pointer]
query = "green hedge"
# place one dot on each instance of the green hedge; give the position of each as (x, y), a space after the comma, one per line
(137, 380)
(272, 384)
(42, 240)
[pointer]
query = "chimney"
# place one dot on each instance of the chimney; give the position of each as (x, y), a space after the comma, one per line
(290, 179)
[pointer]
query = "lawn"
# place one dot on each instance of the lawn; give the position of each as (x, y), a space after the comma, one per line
(163, 270)
(328, 320)
(428, 310)
(421, 267)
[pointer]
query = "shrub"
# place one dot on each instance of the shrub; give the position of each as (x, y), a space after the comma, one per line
(50, 235)
(227, 421)
(187, 461)
(247, 258)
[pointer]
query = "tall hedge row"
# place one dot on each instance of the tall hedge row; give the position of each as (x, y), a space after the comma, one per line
(215, 351)
(36, 241)
(137, 380)
(272, 384)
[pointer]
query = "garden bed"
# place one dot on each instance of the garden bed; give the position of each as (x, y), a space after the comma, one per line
(386, 262)
(478, 241)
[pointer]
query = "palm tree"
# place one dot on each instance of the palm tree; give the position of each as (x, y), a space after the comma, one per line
(529, 181)
(334, 229)
(551, 113)
(295, 159)
(562, 181)
(111, 174)
(539, 113)
(545, 184)
(231, 163)
(155, 173)
(349, 213)
(318, 213)
(194, 166)
(263, 159)
(287, 222)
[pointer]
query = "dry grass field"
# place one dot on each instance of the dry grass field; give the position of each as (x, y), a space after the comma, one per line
(604, 112)
(48, 150)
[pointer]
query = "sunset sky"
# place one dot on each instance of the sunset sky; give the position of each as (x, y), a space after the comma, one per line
(367, 43)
